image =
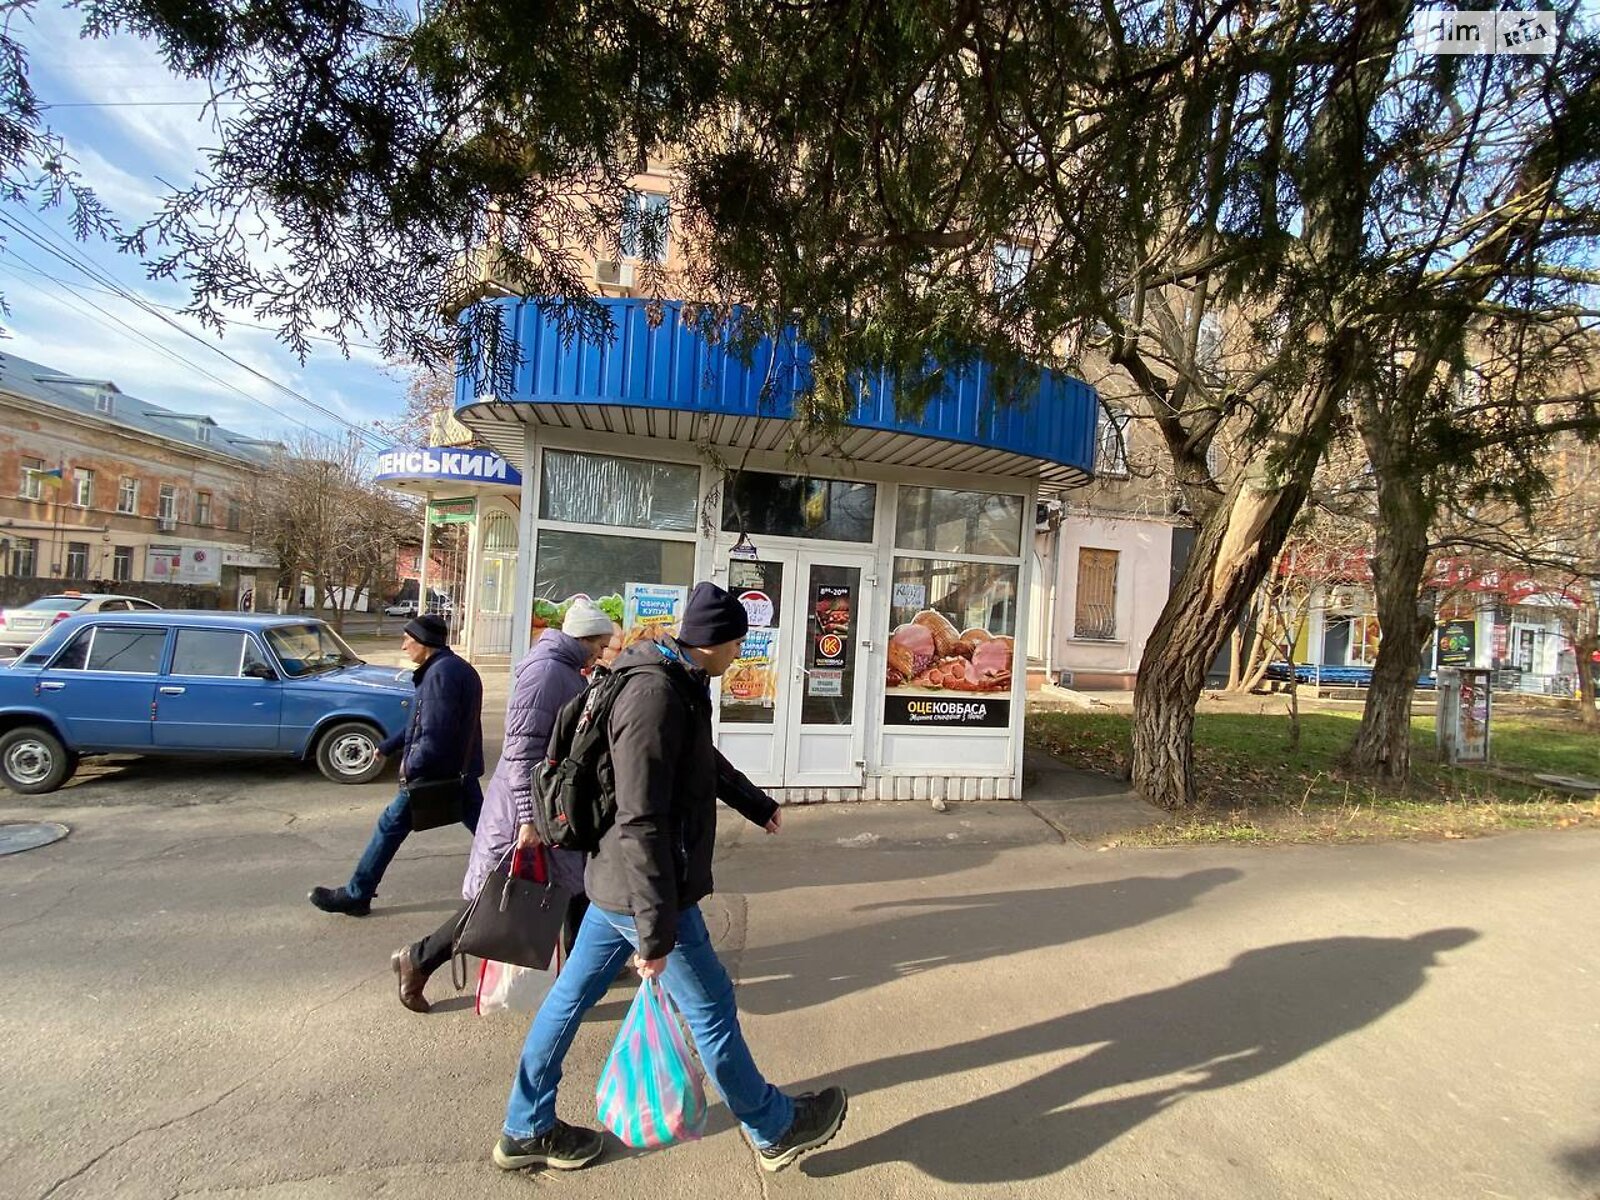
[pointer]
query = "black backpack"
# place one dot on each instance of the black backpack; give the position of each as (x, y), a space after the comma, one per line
(574, 798)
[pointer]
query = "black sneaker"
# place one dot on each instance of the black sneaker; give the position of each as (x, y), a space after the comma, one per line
(337, 900)
(817, 1117)
(562, 1146)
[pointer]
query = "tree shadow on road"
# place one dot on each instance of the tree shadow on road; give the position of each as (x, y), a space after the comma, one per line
(1583, 1162)
(1266, 1009)
(943, 931)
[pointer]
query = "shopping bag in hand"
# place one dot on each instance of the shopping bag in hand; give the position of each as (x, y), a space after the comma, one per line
(506, 987)
(652, 1092)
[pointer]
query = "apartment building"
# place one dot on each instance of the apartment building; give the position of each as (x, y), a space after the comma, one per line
(102, 489)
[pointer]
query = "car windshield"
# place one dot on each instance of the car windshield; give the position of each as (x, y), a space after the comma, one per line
(307, 649)
(59, 603)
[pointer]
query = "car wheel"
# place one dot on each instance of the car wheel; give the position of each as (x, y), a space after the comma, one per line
(33, 761)
(348, 753)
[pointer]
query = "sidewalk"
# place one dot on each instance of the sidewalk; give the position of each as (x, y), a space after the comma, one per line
(1015, 1014)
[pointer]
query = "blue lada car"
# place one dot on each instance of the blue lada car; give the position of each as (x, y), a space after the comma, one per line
(194, 683)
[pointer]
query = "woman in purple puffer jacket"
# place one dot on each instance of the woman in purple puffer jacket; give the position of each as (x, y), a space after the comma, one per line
(547, 677)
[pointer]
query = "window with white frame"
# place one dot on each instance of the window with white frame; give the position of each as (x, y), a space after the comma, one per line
(83, 487)
(128, 495)
(605, 522)
(31, 484)
(646, 226)
(1111, 459)
(1095, 605)
(167, 508)
(122, 564)
(77, 560)
(1011, 265)
(953, 597)
(24, 557)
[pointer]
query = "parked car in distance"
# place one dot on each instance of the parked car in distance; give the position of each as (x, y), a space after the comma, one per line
(194, 683)
(21, 627)
(401, 608)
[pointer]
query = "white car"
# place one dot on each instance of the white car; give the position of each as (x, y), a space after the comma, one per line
(21, 627)
(403, 608)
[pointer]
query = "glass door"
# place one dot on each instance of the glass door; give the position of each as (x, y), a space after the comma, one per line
(826, 735)
(756, 692)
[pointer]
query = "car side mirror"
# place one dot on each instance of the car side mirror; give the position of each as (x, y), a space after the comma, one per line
(258, 670)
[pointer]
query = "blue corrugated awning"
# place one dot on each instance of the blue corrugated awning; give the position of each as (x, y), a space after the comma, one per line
(664, 378)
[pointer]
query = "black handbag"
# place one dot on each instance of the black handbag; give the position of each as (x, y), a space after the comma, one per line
(515, 920)
(435, 802)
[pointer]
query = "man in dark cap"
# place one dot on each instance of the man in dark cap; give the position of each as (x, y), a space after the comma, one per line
(645, 883)
(442, 741)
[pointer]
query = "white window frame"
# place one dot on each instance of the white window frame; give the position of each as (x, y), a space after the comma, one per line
(639, 202)
(1111, 449)
(122, 564)
(83, 487)
(81, 549)
(167, 502)
(32, 488)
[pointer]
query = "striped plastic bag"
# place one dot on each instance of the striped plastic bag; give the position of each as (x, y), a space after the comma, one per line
(652, 1092)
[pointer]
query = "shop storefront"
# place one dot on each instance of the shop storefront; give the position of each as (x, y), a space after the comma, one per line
(887, 579)
(469, 539)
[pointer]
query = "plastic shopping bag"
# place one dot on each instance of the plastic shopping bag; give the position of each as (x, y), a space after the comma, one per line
(652, 1092)
(506, 987)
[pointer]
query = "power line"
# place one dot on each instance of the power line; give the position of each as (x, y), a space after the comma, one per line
(136, 334)
(87, 267)
(137, 104)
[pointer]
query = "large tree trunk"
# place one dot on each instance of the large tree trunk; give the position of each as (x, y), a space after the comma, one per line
(1383, 742)
(1586, 647)
(1237, 545)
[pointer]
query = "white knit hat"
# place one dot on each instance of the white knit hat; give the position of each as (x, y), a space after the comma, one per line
(584, 619)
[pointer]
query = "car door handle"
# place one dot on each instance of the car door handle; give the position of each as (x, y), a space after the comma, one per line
(51, 685)
(172, 691)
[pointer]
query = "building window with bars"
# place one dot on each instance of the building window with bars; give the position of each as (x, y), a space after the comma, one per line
(128, 495)
(122, 564)
(1111, 459)
(77, 560)
(1095, 615)
(31, 487)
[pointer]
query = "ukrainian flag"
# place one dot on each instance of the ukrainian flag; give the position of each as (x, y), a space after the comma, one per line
(54, 476)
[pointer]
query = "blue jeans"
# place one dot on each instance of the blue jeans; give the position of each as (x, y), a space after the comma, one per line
(698, 986)
(394, 823)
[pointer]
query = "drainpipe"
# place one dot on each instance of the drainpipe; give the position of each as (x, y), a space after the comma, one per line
(1055, 580)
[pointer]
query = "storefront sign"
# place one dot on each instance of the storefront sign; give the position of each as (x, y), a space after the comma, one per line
(929, 657)
(758, 607)
(650, 611)
(1458, 643)
(946, 712)
(452, 512)
(910, 595)
(249, 558)
(183, 564)
(474, 466)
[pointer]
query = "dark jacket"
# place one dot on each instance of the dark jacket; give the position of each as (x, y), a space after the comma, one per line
(546, 678)
(445, 735)
(656, 860)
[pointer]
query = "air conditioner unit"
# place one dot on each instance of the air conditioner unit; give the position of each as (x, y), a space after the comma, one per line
(166, 524)
(608, 272)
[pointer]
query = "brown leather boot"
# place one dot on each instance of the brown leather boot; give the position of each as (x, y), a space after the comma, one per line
(412, 979)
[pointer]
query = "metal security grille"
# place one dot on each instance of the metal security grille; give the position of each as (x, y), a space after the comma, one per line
(1096, 608)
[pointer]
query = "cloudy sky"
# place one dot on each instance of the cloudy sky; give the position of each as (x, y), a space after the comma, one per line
(131, 125)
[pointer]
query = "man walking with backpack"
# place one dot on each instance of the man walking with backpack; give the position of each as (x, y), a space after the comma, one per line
(645, 880)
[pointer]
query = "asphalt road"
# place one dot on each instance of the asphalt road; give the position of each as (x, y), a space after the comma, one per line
(1014, 1014)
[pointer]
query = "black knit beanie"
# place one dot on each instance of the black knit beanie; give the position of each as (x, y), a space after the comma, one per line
(712, 617)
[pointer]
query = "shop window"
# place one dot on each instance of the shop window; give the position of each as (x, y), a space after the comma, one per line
(1364, 639)
(599, 565)
(952, 626)
(1095, 611)
(835, 510)
(597, 489)
(952, 522)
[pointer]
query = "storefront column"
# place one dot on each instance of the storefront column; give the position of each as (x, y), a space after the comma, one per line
(427, 552)
(522, 590)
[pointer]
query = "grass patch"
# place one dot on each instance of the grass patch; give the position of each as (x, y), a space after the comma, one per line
(1255, 789)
